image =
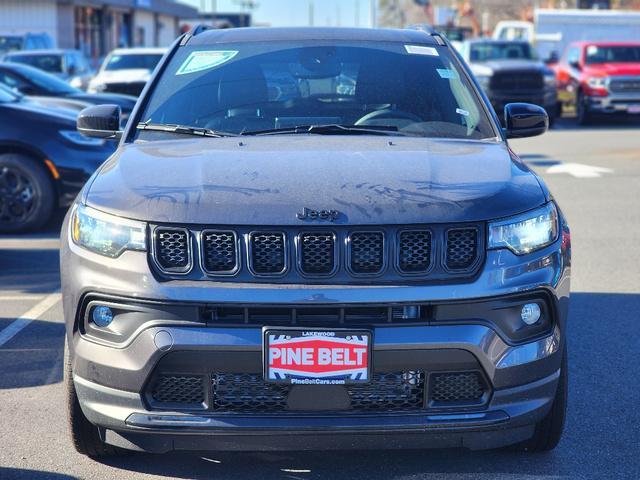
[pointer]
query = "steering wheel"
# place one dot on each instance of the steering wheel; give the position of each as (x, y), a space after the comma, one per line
(372, 118)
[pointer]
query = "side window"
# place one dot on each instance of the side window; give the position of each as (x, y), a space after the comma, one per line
(29, 43)
(573, 55)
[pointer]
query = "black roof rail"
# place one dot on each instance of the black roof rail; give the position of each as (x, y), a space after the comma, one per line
(429, 30)
(195, 30)
(422, 27)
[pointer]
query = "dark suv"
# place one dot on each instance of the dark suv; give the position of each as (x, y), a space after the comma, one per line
(509, 71)
(314, 239)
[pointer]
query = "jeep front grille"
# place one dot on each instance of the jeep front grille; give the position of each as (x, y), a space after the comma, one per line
(462, 248)
(219, 251)
(415, 251)
(387, 254)
(268, 253)
(172, 249)
(317, 253)
(367, 252)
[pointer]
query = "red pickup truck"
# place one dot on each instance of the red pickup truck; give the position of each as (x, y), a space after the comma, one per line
(600, 78)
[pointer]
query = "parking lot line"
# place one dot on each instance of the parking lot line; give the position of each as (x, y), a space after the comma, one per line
(24, 320)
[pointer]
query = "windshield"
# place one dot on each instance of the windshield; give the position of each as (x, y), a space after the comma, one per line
(48, 62)
(252, 87)
(10, 43)
(484, 52)
(145, 61)
(50, 83)
(613, 54)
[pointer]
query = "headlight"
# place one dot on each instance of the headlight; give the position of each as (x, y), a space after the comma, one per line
(106, 234)
(527, 232)
(76, 137)
(598, 82)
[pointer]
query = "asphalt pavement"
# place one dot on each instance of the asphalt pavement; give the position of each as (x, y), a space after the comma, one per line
(595, 175)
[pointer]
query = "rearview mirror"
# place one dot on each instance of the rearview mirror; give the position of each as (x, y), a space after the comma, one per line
(525, 120)
(100, 121)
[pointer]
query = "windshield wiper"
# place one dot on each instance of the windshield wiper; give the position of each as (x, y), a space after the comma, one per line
(184, 129)
(330, 129)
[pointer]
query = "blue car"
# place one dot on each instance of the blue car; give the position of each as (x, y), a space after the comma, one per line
(44, 161)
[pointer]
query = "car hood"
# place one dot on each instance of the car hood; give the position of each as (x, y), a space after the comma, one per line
(126, 102)
(60, 102)
(123, 76)
(507, 65)
(612, 69)
(51, 108)
(266, 180)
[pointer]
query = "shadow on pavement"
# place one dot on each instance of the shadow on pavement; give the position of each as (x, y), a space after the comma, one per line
(603, 348)
(33, 357)
(19, 473)
(30, 270)
(602, 122)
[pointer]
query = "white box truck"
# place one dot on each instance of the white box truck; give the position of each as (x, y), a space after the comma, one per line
(552, 30)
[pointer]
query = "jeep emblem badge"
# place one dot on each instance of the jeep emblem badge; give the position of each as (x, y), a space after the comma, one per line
(309, 214)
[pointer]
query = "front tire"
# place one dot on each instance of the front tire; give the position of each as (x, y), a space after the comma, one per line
(549, 430)
(84, 435)
(583, 116)
(27, 196)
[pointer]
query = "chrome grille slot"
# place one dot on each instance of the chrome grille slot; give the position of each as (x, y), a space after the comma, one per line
(267, 253)
(366, 254)
(219, 251)
(172, 249)
(317, 253)
(462, 248)
(414, 251)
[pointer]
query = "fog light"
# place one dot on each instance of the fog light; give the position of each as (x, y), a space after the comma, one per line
(530, 313)
(102, 316)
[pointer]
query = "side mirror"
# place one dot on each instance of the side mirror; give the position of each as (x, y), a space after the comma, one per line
(575, 64)
(100, 121)
(525, 120)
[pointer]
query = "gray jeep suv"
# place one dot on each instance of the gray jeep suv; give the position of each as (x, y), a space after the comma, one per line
(314, 239)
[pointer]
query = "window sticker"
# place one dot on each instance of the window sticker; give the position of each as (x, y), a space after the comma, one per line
(462, 112)
(592, 50)
(447, 73)
(203, 60)
(421, 50)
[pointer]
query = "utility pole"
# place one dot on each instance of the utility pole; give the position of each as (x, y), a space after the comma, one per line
(357, 12)
(311, 13)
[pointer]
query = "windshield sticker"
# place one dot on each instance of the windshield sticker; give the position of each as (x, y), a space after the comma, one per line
(447, 73)
(592, 50)
(420, 50)
(462, 112)
(204, 60)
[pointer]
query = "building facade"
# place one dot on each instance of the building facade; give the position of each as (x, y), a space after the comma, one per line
(96, 26)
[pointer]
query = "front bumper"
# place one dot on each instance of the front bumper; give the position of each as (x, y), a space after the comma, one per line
(548, 99)
(615, 103)
(111, 379)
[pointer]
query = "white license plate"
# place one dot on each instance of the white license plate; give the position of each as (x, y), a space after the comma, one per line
(317, 357)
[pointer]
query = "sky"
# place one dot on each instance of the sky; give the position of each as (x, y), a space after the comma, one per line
(280, 13)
